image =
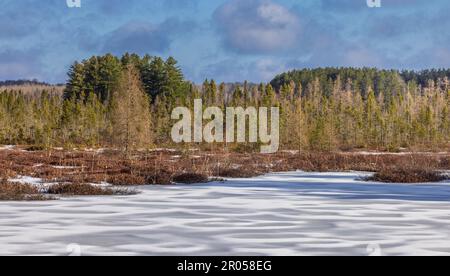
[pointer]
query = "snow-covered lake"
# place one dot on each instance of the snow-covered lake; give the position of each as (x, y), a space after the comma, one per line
(279, 214)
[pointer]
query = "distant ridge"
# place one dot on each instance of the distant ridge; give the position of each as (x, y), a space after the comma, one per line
(31, 87)
(25, 82)
(364, 79)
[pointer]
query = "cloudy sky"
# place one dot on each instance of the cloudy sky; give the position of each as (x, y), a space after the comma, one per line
(228, 40)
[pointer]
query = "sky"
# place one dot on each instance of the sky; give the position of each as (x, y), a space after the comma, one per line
(228, 40)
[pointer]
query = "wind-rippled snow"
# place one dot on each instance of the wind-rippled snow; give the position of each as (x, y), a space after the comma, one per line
(278, 214)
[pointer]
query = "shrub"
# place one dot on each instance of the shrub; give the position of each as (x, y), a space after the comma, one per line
(35, 148)
(407, 176)
(81, 189)
(24, 197)
(159, 178)
(20, 192)
(190, 178)
(237, 173)
(126, 180)
(8, 187)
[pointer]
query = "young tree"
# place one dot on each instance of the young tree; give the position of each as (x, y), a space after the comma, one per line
(130, 112)
(161, 119)
(220, 99)
(269, 96)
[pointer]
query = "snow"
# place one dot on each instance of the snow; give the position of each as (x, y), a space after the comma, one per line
(291, 151)
(58, 167)
(27, 180)
(100, 150)
(293, 213)
(42, 186)
(7, 147)
(65, 167)
(398, 153)
(163, 149)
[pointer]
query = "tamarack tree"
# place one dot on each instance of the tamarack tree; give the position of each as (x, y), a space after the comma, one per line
(130, 112)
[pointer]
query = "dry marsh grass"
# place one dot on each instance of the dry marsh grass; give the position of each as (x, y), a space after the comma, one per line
(190, 178)
(408, 176)
(165, 167)
(81, 189)
(236, 173)
(126, 180)
(20, 192)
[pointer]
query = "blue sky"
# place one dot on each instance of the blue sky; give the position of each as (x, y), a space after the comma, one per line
(228, 40)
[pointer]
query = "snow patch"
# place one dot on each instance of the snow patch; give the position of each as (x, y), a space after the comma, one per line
(398, 153)
(65, 167)
(7, 147)
(38, 182)
(27, 180)
(291, 151)
(100, 150)
(163, 149)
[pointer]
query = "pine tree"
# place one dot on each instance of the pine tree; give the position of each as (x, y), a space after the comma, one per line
(238, 98)
(162, 122)
(268, 99)
(75, 85)
(220, 101)
(94, 120)
(109, 71)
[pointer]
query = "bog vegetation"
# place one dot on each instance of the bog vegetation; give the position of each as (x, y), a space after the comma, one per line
(126, 102)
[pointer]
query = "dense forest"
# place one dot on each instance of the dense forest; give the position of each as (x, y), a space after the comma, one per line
(387, 82)
(127, 101)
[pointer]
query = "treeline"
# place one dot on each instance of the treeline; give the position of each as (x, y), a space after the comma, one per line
(23, 82)
(370, 108)
(33, 90)
(127, 102)
(388, 82)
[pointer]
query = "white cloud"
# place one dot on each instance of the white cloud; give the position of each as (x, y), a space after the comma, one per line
(254, 26)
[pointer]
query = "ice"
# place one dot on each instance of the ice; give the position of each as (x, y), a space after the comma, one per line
(294, 213)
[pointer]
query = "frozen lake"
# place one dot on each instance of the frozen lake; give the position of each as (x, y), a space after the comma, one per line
(279, 214)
